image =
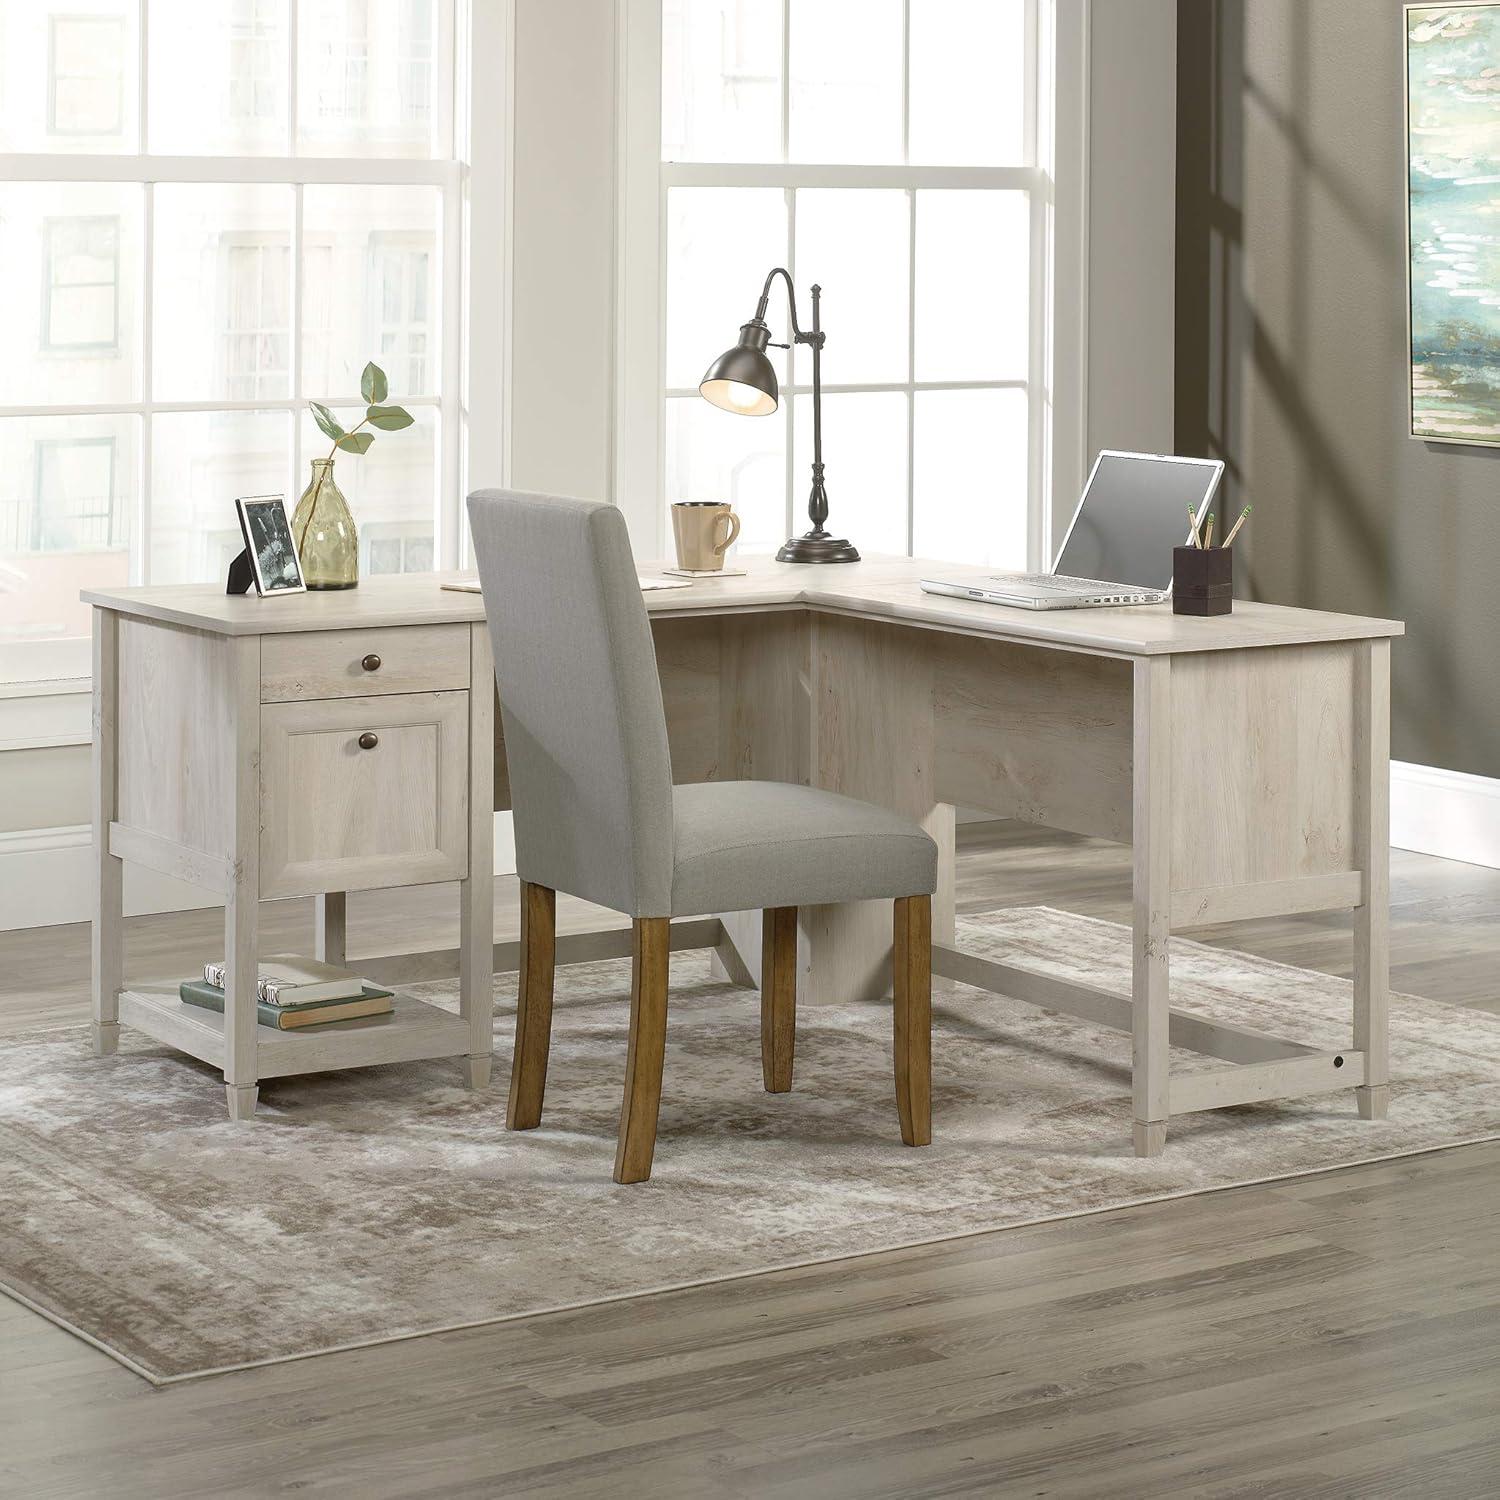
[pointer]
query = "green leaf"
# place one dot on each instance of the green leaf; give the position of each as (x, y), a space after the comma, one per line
(389, 418)
(356, 442)
(372, 384)
(325, 419)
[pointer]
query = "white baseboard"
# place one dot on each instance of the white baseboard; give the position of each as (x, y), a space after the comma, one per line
(45, 881)
(1448, 813)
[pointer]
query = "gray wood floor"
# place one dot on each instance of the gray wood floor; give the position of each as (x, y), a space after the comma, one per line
(1333, 1336)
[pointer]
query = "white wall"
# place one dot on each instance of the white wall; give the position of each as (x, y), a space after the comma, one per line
(563, 215)
(1132, 194)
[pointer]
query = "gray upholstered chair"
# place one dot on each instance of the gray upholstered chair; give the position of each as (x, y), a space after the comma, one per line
(597, 816)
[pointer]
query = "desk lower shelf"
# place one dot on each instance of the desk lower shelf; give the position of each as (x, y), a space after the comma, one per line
(412, 1031)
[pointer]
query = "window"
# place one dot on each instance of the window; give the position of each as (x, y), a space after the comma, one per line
(283, 199)
(85, 73)
(75, 495)
(891, 152)
(81, 301)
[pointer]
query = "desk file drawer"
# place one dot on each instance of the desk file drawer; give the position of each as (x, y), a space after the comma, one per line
(360, 663)
(360, 793)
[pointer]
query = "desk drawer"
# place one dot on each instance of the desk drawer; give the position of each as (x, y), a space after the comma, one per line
(360, 793)
(360, 663)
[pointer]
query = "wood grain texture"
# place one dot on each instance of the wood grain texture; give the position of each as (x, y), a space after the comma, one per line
(177, 699)
(242, 903)
(476, 891)
(1151, 886)
(107, 926)
(911, 959)
(1372, 852)
(338, 817)
(778, 997)
(880, 588)
(648, 1042)
(1262, 765)
(331, 663)
(330, 929)
(528, 1065)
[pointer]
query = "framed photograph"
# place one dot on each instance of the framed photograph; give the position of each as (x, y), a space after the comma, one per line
(268, 539)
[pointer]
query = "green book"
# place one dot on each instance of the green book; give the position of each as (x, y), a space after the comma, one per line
(374, 1002)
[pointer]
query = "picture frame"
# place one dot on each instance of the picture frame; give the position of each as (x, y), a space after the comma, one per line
(272, 553)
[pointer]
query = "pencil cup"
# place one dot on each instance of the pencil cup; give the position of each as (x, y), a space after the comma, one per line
(1202, 580)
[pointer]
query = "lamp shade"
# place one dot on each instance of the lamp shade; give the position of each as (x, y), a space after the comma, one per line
(742, 380)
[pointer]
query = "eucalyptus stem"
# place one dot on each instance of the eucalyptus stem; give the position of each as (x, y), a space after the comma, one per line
(312, 510)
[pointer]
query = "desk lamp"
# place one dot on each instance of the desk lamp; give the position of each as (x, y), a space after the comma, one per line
(742, 381)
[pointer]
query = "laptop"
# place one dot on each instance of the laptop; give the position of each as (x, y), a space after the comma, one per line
(1118, 549)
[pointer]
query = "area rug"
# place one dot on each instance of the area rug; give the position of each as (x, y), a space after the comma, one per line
(381, 1203)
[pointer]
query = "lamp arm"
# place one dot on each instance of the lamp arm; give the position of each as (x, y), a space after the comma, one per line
(816, 336)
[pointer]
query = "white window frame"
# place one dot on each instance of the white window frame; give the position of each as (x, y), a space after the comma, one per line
(473, 184)
(1055, 182)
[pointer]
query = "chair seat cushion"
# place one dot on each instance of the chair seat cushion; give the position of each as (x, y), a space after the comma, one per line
(743, 845)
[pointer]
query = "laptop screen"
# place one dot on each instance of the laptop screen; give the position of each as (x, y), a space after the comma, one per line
(1134, 511)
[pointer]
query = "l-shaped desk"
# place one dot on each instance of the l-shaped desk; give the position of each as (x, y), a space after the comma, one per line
(1245, 758)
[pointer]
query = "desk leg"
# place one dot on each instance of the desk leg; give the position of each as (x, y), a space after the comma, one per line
(1372, 731)
(1152, 901)
(242, 904)
(328, 938)
(476, 895)
(108, 934)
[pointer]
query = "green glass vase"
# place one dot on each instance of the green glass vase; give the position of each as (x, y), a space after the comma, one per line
(323, 529)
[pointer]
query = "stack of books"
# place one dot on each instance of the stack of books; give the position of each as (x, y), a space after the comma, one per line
(294, 992)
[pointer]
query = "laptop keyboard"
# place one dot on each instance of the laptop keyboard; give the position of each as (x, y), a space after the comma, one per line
(1068, 585)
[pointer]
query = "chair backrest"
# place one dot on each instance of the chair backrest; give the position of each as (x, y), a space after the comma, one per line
(580, 699)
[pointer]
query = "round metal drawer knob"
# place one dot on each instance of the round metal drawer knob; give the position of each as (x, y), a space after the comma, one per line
(370, 663)
(368, 740)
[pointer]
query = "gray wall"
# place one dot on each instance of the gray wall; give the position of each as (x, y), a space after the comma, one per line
(1291, 351)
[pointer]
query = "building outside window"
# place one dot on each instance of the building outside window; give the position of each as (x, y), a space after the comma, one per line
(75, 495)
(81, 298)
(85, 72)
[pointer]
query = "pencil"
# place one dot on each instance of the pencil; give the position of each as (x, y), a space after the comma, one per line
(1235, 529)
(1208, 530)
(1193, 527)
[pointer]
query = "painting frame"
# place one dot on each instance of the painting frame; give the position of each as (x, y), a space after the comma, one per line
(1416, 429)
(268, 544)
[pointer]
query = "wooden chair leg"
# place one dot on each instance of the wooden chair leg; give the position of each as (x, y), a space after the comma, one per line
(648, 1040)
(528, 1067)
(778, 996)
(911, 962)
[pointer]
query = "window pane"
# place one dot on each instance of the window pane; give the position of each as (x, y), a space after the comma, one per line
(971, 477)
(70, 255)
(222, 293)
(67, 503)
(714, 455)
(864, 451)
(721, 242)
(217, 76)
(968, 82)
(392, 489)
(721, 80)
(371, 269)
(845, 101)
(68, 75)
(201, 463)
(368, 83)
(855, 243)
(973, 305)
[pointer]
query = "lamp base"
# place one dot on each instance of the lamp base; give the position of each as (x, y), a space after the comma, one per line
(818, 547)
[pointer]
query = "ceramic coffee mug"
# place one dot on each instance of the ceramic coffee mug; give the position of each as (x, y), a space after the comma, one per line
(704, 531)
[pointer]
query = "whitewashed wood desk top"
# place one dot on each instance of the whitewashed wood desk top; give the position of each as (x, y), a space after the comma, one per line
(879, 588)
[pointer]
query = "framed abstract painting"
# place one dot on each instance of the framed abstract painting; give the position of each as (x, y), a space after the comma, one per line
(1453, 221)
